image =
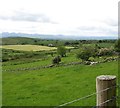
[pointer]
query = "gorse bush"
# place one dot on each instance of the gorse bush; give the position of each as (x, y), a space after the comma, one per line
(86, 52)
(56, 60)
(105, 52)
(89, 53)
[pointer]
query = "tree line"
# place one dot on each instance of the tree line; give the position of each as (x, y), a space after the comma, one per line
(89, 52)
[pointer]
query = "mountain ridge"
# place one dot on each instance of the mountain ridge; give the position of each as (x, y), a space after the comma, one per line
(55, 37)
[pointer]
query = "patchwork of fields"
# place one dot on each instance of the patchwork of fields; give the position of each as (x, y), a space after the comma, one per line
(28, 47)
(52, 86)
(26, 84)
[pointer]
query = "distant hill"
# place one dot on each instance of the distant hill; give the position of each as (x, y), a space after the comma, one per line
(56, 37)
(30, 41)
(17, 40)
(43, 42)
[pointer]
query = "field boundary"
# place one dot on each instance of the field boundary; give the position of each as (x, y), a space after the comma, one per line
(67, 64)
(25, 62)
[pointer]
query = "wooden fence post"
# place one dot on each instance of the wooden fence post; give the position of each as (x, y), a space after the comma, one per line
(106, 91)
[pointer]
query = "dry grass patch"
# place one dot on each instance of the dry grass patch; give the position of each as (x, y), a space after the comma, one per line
(27, 47)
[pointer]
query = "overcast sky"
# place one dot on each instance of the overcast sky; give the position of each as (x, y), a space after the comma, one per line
(67, 17)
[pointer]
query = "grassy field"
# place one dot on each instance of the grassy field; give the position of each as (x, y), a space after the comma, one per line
(53, 86)
(26, 64)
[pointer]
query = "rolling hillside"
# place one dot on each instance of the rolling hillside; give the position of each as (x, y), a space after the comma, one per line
(30, 41)
(18, 40)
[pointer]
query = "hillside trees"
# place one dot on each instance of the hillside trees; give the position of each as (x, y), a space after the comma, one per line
(117, 45)
(85, 52)
(61, 50)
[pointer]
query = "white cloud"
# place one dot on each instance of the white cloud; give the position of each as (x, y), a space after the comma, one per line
(25, 16)
(69, 17)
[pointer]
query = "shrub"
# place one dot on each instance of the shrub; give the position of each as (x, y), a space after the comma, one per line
(5, 59)
(91, 59)
(56, 60)
(117, 45)
(86, 52)
(105, 51)
(61, 50)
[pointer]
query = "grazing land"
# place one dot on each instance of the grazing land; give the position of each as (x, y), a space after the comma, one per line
(53, 86)
(31, 79)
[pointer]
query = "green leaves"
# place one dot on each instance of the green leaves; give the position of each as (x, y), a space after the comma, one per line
(85, 52)
(117, 45)
(61, 50)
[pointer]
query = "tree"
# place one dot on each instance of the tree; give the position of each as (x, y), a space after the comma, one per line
(67, 43)
(85, 52)
(97, 46)
(117, 45)
(61, 50)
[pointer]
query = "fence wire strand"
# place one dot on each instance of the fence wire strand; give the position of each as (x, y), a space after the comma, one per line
(114, 98)
(88, 96)
(107, 101)
(76, 100)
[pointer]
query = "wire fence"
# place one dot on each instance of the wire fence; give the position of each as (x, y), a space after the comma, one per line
(112, 99)
(88, 96)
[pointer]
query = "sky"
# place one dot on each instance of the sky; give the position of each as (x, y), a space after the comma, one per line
(60, 17)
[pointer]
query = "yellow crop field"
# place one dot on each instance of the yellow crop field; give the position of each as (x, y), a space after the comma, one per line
(27, 47)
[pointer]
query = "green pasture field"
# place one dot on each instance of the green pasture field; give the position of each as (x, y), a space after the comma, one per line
(13, 65)
(50, 86)
(54, 86)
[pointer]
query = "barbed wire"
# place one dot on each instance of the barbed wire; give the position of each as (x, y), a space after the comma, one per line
(114, 98)
(75, 100)
(107, 101)
(85, 97)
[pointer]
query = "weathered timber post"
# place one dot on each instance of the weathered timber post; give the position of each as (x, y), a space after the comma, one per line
(106, 91)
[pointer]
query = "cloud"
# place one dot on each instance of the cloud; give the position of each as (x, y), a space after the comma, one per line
(86, 28)
(27, 16)
(110, 22)
(91, 28)
(99, 30)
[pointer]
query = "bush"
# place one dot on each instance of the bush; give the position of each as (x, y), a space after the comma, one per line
(56, 60)
(105, 51)
(91, 59)
(117, 46)
(86, 52)
(61, 50)
(5, 59)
